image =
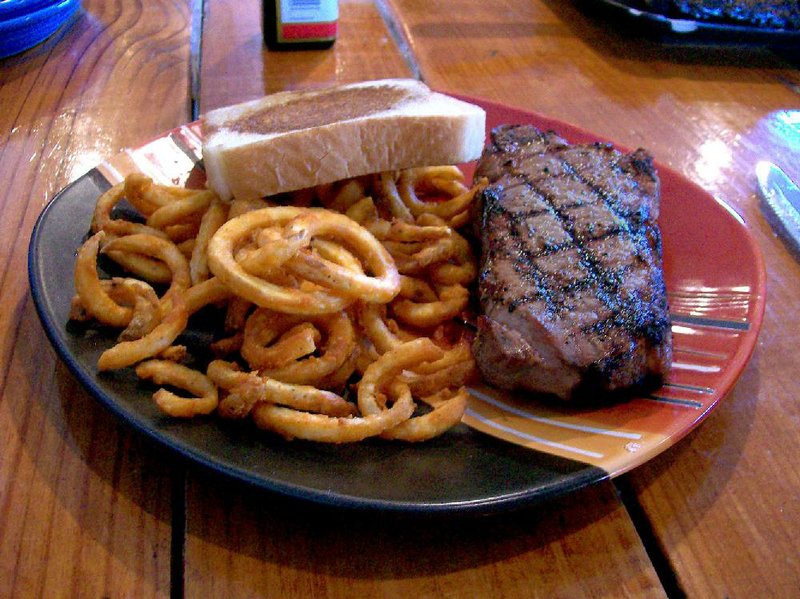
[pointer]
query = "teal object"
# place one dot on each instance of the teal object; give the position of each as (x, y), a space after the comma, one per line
(11, 9)
(25, 24)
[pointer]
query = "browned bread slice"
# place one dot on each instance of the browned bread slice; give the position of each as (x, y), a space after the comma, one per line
(293, 140)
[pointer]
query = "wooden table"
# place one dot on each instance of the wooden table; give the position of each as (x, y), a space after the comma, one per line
(88, 508)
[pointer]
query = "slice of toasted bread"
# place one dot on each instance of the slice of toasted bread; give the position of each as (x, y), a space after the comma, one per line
(299, 139)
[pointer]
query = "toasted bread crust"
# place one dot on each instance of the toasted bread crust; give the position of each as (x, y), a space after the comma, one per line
(250, 150)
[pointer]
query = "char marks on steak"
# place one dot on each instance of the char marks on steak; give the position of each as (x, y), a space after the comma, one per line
(571, 287)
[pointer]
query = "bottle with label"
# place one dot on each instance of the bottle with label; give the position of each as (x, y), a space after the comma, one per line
(300, 24)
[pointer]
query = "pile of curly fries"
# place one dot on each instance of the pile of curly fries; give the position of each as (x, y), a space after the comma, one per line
(352, 286)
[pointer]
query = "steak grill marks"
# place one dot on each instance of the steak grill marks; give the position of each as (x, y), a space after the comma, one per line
(629, 311)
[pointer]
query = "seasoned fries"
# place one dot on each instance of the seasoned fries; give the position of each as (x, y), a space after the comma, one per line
(337, 311)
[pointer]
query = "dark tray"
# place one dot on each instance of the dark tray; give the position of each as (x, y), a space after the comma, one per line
(654, 19)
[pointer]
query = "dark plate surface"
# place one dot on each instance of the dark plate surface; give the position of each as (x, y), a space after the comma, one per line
(464, 471)
(670, 27)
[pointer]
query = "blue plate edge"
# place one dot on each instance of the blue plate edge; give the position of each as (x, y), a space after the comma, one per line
(20, 39)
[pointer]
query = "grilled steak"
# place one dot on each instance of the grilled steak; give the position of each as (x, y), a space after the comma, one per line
(571, 284)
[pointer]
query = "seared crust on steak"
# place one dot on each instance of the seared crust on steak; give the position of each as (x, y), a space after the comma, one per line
(571, 286)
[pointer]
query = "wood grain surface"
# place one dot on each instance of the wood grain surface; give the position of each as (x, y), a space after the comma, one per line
(84, 504)
(90, 509)
(236, 67)
(723, 505)
(251, 545)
